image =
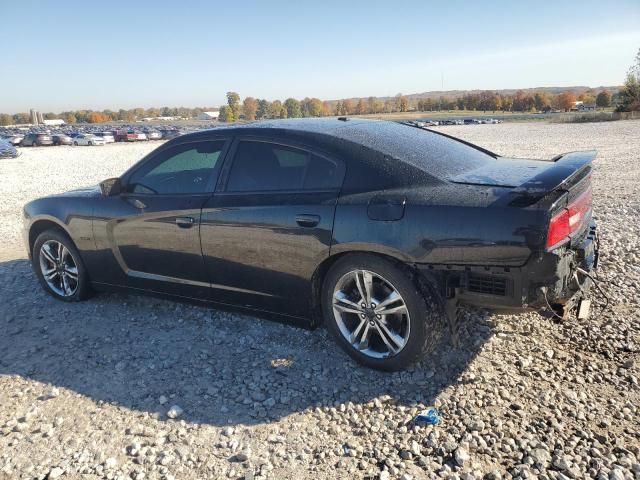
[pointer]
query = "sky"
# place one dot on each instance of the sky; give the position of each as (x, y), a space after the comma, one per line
(121, 54)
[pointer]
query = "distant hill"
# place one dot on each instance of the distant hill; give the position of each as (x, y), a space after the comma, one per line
(509, 91)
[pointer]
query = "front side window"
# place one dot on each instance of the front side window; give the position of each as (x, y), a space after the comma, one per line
(263, 166)
(188, 168)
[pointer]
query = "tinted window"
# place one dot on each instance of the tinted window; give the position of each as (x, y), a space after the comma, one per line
(189, 168)
(262, 166)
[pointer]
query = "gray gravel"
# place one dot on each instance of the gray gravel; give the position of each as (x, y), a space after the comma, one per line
(131, 387)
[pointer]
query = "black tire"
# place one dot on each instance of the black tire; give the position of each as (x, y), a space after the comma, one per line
(75, 144)
(91, 144)
(425, 308)
(83, 287)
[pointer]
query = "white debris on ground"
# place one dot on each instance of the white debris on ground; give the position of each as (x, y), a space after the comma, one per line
(126, 387)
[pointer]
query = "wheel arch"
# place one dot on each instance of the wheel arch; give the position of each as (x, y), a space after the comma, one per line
(42, 224)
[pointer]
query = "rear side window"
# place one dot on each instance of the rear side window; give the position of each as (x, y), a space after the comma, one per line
(263, 166)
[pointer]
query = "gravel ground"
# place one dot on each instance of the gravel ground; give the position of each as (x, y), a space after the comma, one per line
(131, 387)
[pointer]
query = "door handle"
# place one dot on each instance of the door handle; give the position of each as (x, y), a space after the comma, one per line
(305, 220)
(185, 222)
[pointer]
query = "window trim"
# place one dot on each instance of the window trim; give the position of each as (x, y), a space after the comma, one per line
(155, 154)
(223, 178)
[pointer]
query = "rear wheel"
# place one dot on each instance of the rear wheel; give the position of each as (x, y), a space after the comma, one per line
(378, 315)
(90, 144)
(75, 143)
(59, 268)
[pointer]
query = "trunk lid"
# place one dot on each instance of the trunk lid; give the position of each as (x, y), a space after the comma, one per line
(530, 177)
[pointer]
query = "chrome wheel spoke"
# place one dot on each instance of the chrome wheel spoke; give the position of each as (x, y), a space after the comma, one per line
(354, 335)
(50, 274)
(61, 252)
(392, 340)
(73, 275)
(402, 308)
(363, 344)
(48, 255)
(65, 285)
(342, 303)
(362, 289)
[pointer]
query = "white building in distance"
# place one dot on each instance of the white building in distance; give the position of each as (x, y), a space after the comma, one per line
(208, 116)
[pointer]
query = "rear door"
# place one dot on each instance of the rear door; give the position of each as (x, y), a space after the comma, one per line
(269, 225)
(152, 229)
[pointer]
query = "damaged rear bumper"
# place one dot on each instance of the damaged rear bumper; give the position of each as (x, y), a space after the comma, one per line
(556, 281)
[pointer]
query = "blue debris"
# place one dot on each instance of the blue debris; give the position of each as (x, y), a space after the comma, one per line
(429, 416)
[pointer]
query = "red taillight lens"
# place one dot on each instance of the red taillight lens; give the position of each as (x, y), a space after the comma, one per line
(569, 219)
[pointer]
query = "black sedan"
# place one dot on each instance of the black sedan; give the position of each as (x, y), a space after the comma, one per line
(379, 230)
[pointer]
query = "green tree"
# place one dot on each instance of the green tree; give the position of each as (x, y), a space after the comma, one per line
(226, 114)
(630, 93)
(293, 108)
(264, 107)
(20, 118)
(275, 110)
(5, 119)
(338, 109)
(315, 107)
(603, 100)
(250, 108)
(233, 100)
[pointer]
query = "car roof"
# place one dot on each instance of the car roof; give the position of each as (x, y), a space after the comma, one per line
(437, 154)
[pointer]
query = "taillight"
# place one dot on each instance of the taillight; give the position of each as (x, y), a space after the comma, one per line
(569, 219)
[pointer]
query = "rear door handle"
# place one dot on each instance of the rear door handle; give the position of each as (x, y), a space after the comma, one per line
(305, 220)
(185, 222)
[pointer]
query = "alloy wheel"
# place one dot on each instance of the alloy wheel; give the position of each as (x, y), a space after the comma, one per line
(371, 314)
(59, 269)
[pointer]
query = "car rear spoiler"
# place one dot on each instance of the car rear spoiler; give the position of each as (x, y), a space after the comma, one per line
(568, 168)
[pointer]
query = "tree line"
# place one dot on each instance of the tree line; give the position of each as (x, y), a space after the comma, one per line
(251, 108)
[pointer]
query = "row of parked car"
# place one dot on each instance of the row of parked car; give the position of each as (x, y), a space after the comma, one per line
(90, 138)
(456, 121)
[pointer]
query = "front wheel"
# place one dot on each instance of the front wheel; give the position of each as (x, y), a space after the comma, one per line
(59, 268)
(378, 314)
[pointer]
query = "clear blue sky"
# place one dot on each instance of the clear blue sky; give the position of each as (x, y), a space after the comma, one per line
(124, 54)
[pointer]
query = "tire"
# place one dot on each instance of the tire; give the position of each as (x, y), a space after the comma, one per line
(75, 144)
(70, 290)
(91, 144)
(421, 327)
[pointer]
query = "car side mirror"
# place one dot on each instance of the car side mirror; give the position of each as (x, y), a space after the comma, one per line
(111, 187)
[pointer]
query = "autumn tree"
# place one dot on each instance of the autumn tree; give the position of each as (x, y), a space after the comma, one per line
(250, 108)
(403, 103)
(566, 100)
(603, 100)
(5, 119)
(326, 109)
(233, 100)
(541, 101)
(347, 107)
(360, 108)
(293, 108)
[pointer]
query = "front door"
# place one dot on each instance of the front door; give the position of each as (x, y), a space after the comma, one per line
(151, 230)
(269, 228)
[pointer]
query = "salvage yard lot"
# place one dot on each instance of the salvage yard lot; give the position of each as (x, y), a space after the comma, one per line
(86, 388)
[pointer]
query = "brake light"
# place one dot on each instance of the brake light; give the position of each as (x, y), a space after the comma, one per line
(569, 219)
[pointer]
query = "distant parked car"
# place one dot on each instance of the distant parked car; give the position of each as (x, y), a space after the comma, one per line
(14, 139)
(142, 136)
(169, 134)
(62, 139)
(125, 136)
(36, 140)
(106, 136)
(7, 150)
(88, 139)
(153, 135)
